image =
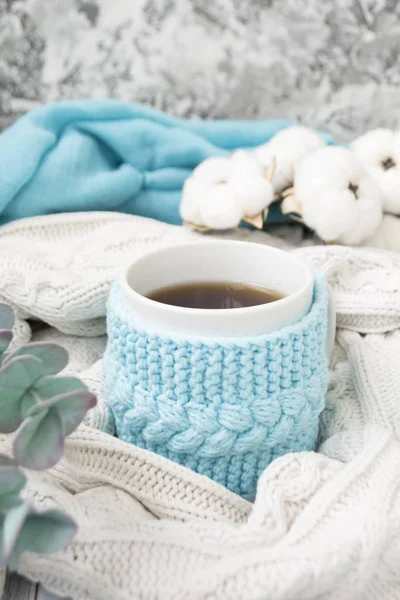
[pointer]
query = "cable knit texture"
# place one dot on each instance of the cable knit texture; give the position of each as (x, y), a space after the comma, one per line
(324, 525)
(223, 408)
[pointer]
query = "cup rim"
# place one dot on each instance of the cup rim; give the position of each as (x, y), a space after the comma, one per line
(130, 293)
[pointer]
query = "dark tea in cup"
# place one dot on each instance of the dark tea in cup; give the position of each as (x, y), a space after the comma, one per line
(214, 295)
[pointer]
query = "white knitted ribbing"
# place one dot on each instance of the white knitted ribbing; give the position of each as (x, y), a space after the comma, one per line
(318, 530)
(324, 525)
(366, 284)
(60, 268)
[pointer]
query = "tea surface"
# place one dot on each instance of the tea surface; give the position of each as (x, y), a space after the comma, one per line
(215, 295)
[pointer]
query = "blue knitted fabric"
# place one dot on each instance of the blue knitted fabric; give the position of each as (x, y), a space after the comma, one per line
(222, 407)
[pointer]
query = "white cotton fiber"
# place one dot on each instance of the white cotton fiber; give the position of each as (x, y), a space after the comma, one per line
(339, 199)
(213, 170)
(379, 152)
(243, 163)
(253, 194)
(222, 191)
(192, 195)
(288, 147)
(219, 208)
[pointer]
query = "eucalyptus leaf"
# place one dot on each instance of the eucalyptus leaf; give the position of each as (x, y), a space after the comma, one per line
(24, 529)
(16, 376)
(12, 481)
(39, 442)
(54, 357)
(12, 524)
(28, 399)
(70, 408)
(51, 386)
(7, 318)
(5, 339)
(47, 532)
(7, 461)
(46, 388)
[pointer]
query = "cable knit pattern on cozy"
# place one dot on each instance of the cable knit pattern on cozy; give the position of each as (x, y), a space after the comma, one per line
(224, 408)
(324, 525)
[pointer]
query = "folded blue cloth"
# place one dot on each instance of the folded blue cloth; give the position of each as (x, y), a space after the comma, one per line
(225, 408)
(108, 155)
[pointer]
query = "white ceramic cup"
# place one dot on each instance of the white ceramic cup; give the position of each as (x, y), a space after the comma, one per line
(221, 260)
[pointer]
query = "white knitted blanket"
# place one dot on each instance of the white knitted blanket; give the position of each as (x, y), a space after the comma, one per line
(324, 526)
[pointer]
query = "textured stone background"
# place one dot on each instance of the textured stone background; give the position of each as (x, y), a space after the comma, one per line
(332, 64)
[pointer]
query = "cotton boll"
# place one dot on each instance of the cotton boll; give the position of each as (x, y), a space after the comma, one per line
(219, 208)
(245, 164)
(221, 191)
(369, 204)
(389, 181)
(330, 214)
(212, 170)
(314, 174)
(253, 194)
(386, 236)
(288, 147)
(374, 146)
(192, 195)
(339, 199)
(379, 152)
(331, 166)
(247, 178)
(366, 221)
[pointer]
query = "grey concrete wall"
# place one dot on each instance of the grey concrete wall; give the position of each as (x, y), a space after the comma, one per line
(332, 64)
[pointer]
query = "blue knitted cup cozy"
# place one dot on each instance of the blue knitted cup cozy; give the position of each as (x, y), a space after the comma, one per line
(222, 407)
